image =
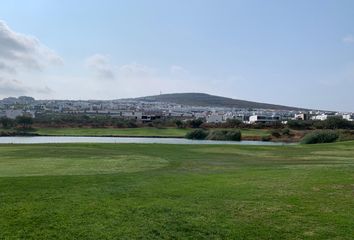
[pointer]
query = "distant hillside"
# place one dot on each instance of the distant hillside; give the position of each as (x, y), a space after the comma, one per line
(202, 99)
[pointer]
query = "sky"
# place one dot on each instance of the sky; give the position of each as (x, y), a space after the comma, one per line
(297, 53)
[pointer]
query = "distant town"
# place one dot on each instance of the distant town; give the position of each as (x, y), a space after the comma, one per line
(147, 111)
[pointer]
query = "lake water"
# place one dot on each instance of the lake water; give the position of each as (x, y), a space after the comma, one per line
(47, 139)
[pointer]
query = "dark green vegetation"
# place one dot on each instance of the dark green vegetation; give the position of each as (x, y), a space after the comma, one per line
(320, 136)
(330, 123)
(225, 135)
(202, 99)
(125, 132)
(152, 191)
(216, 134)
(198, 134)
(23, 122)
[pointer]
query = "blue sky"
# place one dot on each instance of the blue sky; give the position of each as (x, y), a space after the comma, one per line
(298, 53)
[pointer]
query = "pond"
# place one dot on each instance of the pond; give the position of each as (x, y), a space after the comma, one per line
(59, 139)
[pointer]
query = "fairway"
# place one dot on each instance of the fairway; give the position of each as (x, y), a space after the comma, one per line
(156, 191)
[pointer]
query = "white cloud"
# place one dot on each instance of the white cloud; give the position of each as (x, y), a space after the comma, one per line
(135, 70)
(11, 86)
(348, 39)
(101, 65)
(18, 54)
(22, 51)
(128, 80)
(14, 87)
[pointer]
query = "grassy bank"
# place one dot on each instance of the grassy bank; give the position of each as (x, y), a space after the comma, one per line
(152, 191)
(133, 132)
(141, 132)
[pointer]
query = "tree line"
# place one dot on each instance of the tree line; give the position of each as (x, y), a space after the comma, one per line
(68, 120)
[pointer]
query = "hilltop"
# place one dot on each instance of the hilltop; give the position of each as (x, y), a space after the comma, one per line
(203, 99)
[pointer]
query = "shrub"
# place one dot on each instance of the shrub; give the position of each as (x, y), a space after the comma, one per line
(24, 121)
(234, 135)
(232, 123)
(320, 136)
(275, 133)
(195, 123)
(7, 122)
(346, 135)
(180, 124)
(198, 134)
(300, 124)
(286, 131)
(225, 135)
(266, 138)
(337, 123)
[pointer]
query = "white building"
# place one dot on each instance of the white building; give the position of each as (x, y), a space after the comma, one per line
(349, 117)
(214, 118)
(263, 119)
(302, 116)
(200, 115)
(323, 117)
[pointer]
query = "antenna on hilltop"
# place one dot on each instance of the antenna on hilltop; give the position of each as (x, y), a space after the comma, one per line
(160, 93)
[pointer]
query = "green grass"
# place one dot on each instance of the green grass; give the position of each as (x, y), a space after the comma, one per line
(149, 132)
(154, 191)
(255, 132)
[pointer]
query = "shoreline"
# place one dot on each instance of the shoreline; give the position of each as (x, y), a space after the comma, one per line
(246, 138)
(33, 133)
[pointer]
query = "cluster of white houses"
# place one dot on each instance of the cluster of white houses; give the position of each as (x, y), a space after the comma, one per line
(269, 117)
(149, 111)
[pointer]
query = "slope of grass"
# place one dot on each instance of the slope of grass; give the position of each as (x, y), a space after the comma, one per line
(141, 132)
(148, 132)
(154, 191)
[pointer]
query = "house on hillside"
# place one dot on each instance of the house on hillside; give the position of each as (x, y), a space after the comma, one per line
(263, 119)
(302, 116)
(349, 117)
(215, 118)
(323, 117)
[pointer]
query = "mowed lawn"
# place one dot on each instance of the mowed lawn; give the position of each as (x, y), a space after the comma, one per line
(134, 132)
(154, 191)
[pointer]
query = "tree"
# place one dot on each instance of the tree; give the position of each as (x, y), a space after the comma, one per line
(337, 123)
(24, 121)
(179, 124)
(7, 122)
(233, 123)
(195, 123)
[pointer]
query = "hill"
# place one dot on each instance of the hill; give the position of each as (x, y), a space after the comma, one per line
(203, 99)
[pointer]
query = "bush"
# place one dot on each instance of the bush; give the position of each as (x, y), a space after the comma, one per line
(24, 121)
(198, 134)
(225, 135)
(346, 135)
(195, 123)
(320, 137)
(266, 138)
(337, 123)
(286, 131)
(7, 122)
(180, 124)
(232, 123)
(275, 133)
(234, 135)
(300, 124)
